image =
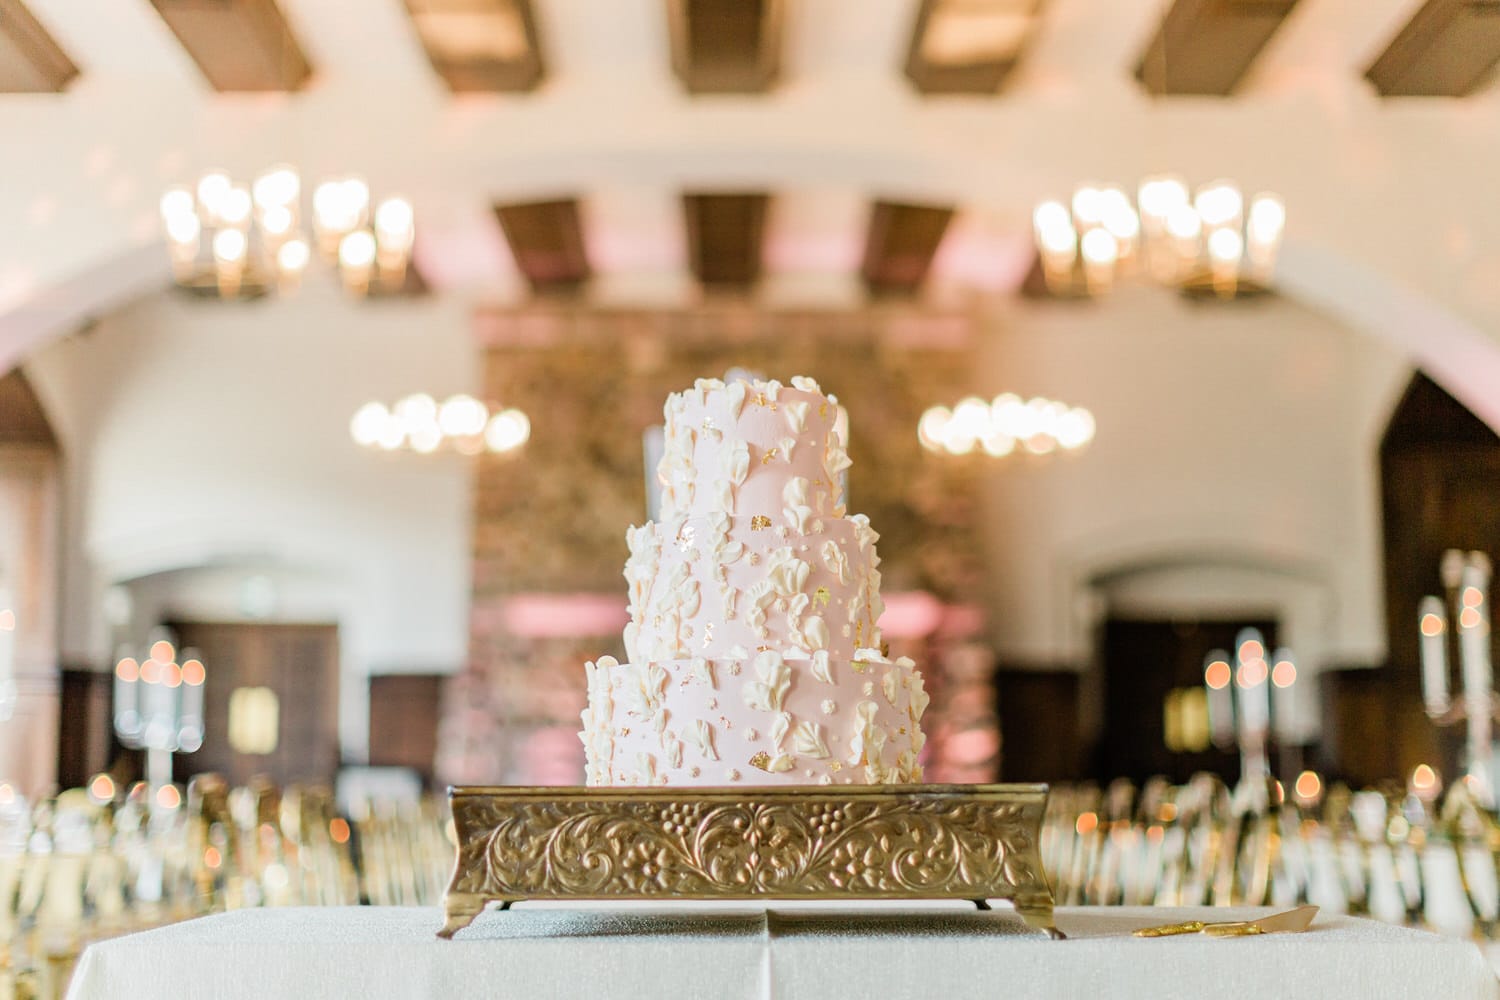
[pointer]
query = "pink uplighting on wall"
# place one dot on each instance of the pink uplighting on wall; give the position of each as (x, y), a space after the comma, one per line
(916, 614)
(552, 616)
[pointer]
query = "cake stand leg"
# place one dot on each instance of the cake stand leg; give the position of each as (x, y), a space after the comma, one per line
(460, 909)
(982, 904)
(1038, 914)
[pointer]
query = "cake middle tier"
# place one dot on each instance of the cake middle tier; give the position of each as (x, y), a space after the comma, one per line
(732, 585)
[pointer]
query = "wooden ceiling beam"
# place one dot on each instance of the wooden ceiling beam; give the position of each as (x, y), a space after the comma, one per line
(725, 233)
(968, 46)
(546, 239)
(726, 46)
(31, 62)
(1447, 49)
(239, 45)
(1206, 47)
(900, 245)
(481, 45)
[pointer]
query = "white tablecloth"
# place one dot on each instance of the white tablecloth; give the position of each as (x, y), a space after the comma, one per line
(817, 953)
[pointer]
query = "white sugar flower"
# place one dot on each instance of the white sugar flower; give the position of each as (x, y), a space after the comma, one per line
(734, 395)
(796, 415)
(808, 740)
(701, 735)
(775, 677)
(779, 727)
(836, 561)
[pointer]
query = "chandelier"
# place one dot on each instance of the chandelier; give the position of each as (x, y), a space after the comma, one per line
(419, 423)
(1038, 426)
(1207, 244)
(239, 241)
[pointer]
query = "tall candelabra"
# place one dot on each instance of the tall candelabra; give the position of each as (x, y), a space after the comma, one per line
(1466, 599)
(1242, 691)
(159, 707)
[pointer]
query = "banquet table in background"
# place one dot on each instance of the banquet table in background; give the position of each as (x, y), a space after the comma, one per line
(814, 951)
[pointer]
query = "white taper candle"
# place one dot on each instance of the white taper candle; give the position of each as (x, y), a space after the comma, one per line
(1250, 681)
(1432, 624)
(1218, 678)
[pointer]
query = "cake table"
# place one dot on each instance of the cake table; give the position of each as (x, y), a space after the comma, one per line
(784, 951)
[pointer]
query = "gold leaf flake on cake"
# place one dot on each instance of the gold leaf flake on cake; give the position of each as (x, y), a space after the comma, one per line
(768, 456)
(761, 760)
(759, 521)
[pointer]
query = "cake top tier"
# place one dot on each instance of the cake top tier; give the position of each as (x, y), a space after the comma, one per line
(753, 448)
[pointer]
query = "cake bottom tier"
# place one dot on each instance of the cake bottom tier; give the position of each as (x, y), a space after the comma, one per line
(760, 720)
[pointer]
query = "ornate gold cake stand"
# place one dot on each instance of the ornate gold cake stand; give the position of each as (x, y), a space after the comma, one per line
(973, 842)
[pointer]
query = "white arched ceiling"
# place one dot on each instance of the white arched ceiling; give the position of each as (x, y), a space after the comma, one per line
(1388, 224)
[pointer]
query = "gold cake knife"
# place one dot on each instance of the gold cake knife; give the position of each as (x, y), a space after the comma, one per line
(1296, 919)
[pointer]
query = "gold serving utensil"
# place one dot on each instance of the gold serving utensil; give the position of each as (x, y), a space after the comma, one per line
(1288, 921)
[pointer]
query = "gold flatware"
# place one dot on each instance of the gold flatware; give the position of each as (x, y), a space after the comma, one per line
(1171, 930)
(1288, 921)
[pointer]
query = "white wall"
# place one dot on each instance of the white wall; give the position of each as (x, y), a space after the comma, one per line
(200, 436)
(1240, 440)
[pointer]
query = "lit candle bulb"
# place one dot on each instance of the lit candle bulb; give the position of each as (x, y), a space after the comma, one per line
(1432, 623)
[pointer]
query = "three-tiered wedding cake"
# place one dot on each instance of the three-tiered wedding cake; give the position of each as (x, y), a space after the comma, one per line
(754, 652)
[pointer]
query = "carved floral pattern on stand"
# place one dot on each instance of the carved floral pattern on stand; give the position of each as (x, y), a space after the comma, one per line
(830, 846)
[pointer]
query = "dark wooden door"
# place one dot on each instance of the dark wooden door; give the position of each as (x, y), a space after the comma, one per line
(1144, 661)
(1440, 485)
(299, 664)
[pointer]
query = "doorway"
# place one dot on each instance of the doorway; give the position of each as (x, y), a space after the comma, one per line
(1152, 671)
(270, 701)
